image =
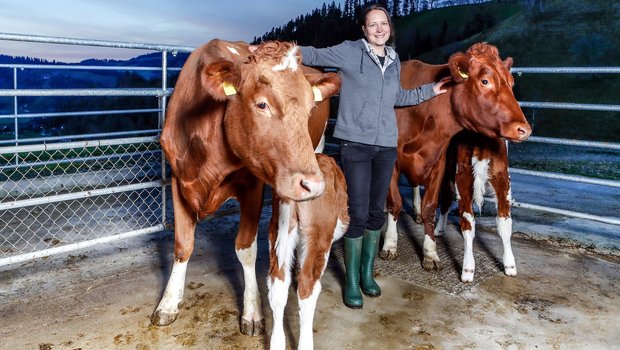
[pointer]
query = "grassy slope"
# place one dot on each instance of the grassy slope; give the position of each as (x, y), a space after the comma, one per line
(567, 33)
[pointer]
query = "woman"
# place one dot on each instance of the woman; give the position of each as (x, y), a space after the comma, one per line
(366, 125)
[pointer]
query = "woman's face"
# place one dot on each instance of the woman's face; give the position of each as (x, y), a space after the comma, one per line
(377, 28)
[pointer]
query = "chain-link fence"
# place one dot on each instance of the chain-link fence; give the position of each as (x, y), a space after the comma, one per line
(80, 161)
(58, 196)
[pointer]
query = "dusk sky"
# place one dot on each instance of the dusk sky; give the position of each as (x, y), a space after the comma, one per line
(169, 22)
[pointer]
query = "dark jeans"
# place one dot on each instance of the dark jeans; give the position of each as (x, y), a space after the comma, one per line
(368, 170)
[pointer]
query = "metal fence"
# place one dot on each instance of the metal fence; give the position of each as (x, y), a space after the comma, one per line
(59, 193)
(63, 192)
(579, 143)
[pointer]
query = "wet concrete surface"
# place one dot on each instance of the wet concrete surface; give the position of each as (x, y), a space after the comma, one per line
(564, 297)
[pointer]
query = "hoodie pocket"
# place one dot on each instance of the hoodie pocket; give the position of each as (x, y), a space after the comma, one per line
(366, 119)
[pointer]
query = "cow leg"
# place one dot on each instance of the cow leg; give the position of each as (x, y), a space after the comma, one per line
(250, 202)
(416, 203)
(184, 226)
(313, 262)
(446, 196)
(465, 188)
(281, 249)
(394, 207)
(429, 207)
(501, 185)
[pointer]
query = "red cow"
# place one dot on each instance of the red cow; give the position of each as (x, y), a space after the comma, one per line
(481, 100)
(235, 121)
(311, 226)
(473, 160)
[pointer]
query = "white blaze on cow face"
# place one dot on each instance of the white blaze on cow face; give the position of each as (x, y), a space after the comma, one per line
(233, 50)
(288, 61)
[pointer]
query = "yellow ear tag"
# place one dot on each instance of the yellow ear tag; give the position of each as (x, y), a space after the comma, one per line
(463, 75)
(317, 94)
(229, 89)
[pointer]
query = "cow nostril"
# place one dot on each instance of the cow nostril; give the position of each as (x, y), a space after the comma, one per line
(305, 185)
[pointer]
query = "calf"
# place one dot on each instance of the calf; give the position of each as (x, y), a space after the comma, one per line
(481, 100)
(311, 226)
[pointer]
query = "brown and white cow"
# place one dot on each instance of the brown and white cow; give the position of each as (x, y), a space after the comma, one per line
(481, 100)
(310, 227)
(472, 162)
(236, 120)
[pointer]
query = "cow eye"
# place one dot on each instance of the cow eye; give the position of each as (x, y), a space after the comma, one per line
(485, 82)
(262, 105)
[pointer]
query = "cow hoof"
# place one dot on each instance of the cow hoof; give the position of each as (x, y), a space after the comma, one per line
(467, 276)
(388, 255)
(430, 264)
(510, 270)
(418, 219)
(159, 318)
(252, 328)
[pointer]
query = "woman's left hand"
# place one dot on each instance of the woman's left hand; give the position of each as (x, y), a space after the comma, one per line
(438, 86)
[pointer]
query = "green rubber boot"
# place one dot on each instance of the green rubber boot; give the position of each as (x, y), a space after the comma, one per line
(370, 245)
(352, 253)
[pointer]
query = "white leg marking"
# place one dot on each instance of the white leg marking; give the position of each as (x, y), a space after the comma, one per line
(278, 289)
(417, 201)
(306, 317)
(251, 297)
(504, 228)
(282, 244)
(442, 223)
(430, 248)
(481, 176)
(278, 294)
(390, 240)
(174, 289)
(340, 230)
(469, 264)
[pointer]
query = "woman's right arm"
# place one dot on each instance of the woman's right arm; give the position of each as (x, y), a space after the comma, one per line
(333, 56)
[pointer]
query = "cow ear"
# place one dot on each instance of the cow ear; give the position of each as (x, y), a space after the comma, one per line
(324, 85)
(508, 63)
(221, 79)
(459, 66)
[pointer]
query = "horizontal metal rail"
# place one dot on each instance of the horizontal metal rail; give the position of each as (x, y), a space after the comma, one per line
(80, 245)
(79, 195)
(572, 70)
(575, 214)
(77, 144)
(87, 92)
(574, 178)
(76, 67)
(570, 142)
(88, 42)
(570, 213)
(84, 136)
(80, 114)
(575, 106)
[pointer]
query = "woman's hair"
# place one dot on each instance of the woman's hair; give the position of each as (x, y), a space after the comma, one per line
(378, 6)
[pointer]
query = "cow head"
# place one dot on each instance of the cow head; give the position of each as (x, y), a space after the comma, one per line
(483, 94)
(269, 101)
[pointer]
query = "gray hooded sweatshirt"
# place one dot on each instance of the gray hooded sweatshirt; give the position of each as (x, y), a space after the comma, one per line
(369, 92)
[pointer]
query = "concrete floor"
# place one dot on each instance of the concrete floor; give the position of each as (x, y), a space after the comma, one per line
(564, 297)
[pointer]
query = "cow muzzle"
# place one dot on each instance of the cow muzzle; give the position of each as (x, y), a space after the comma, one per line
(517, 132)
(302, 187)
